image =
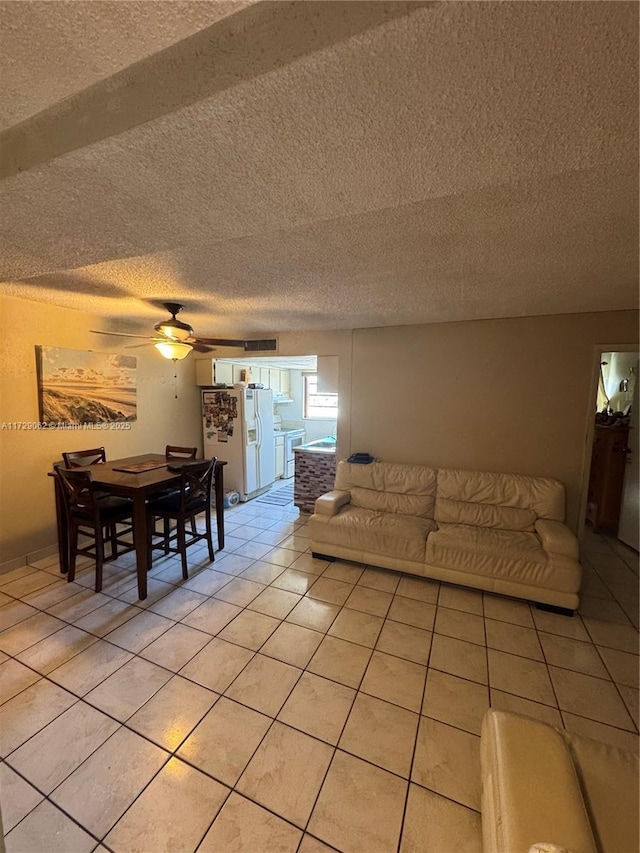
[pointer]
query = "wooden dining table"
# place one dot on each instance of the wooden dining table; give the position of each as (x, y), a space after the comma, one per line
(139, 488)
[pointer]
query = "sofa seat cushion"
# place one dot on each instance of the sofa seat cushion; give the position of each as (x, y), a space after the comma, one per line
(510, 554)
(363, 529)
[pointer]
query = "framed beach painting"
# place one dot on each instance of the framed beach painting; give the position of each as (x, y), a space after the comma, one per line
(81, 387)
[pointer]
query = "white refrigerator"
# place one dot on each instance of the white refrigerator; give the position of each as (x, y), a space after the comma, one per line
(238, 428)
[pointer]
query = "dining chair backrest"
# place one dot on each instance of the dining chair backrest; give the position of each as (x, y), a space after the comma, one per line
(174, 452)
(195, 485)
(82, 458)
(77, 487)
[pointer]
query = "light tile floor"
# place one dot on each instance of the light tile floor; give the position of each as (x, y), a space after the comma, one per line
(274, 702)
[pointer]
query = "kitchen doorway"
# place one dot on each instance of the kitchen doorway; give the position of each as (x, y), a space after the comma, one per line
(288, 378)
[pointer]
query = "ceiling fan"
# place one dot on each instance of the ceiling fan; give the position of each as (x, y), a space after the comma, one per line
(175, 339)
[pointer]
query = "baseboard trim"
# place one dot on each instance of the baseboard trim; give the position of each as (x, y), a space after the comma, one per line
(28, 559)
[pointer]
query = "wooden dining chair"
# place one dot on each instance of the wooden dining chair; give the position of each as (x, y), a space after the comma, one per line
(88, 514)
(192, 498)
(177, 454)
(82, 458)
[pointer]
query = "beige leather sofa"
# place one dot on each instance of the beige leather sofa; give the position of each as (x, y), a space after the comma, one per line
(548, 789)
(499, 532)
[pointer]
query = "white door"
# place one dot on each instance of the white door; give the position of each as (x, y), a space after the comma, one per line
(629, 513)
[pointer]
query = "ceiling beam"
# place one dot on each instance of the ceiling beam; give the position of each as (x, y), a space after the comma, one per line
(256, 40)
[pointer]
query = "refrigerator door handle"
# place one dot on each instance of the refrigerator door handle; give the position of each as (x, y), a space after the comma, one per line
(258, 430)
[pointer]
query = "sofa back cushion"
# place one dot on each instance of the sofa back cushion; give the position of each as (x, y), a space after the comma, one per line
(389, 487)
(507, 501)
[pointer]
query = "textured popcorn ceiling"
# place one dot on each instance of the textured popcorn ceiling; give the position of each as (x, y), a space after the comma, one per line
(324, 165)
(53, 48)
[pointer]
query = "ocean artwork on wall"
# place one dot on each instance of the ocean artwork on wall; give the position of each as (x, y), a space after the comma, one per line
(80, 387)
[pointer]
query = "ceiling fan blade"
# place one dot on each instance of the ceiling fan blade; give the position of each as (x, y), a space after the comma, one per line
(120, 334)
(198, 347)
(137, 346)
(257, 345)
(215, 342)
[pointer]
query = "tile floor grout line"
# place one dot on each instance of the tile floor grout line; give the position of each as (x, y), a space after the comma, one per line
(415, 741)
(46, 799)
(84, 700)
(48, 796)
(546, 663)
(137, 797)
(335, 747)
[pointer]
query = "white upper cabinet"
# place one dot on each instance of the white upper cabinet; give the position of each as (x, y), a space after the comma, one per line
(209, 372)
(223, 372)
(274, 379)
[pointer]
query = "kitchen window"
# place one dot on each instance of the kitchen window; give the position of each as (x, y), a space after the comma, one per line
(316, 405)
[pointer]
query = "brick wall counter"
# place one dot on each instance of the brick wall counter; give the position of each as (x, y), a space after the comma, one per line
(314, 475)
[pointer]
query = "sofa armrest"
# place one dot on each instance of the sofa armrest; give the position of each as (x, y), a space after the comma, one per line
(556, 538)
(530, 788)
(330, 503)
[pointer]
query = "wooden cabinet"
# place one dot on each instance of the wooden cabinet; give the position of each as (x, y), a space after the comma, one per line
(285, 382)
(264, 377)
(608, 461)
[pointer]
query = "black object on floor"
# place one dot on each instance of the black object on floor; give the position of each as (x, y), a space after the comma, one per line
(552, 608)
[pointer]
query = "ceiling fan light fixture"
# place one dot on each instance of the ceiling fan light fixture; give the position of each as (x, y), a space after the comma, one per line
(174, 330)
(174, 350)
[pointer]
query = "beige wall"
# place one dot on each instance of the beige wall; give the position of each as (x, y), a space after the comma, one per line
(497, 395)
(27, 518)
